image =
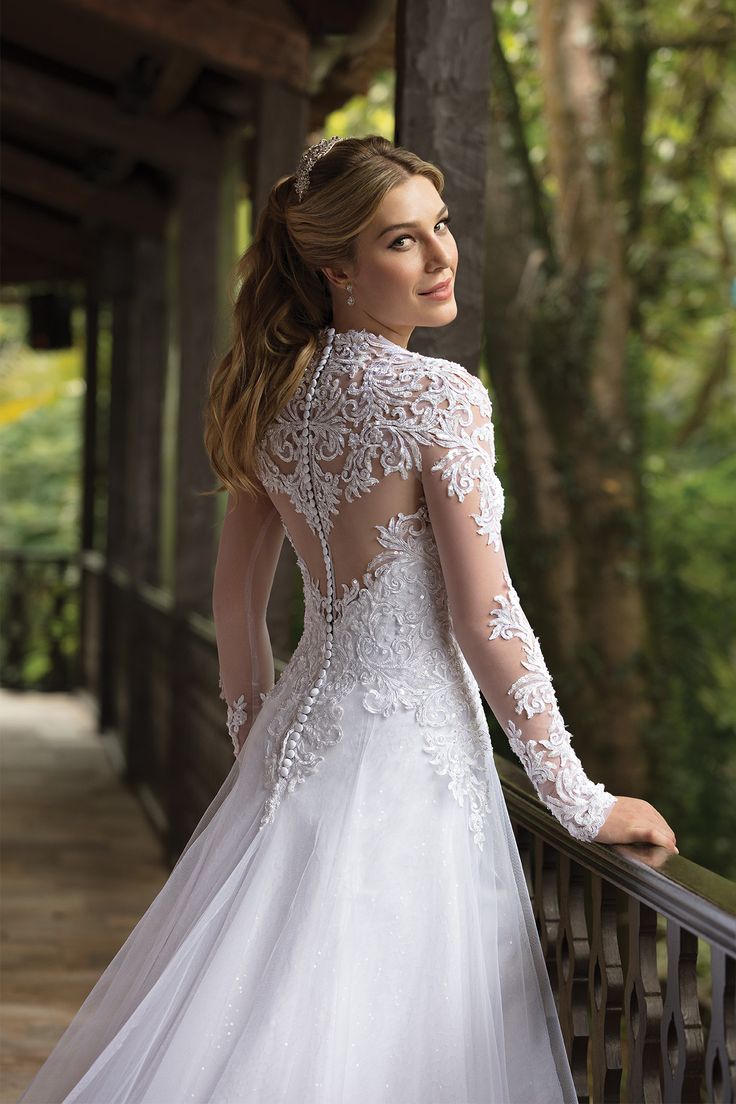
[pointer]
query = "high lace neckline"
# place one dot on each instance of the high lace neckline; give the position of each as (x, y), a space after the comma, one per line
(362, 335)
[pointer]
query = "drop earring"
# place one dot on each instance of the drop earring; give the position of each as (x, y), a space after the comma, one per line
(351, 299)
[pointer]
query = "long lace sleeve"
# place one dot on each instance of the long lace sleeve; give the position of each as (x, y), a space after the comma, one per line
(248, 551)
(465, 502)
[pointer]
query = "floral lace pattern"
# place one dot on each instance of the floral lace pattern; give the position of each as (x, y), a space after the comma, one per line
(237, 715)
(393, 639)
(370, 409)
(376, 411)
(553, 767)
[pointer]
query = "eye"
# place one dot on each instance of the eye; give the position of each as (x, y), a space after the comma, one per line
(446, 220)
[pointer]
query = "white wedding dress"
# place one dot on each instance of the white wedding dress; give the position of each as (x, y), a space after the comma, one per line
(349, 923)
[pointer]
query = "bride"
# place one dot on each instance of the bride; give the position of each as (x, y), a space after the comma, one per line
(349, 922)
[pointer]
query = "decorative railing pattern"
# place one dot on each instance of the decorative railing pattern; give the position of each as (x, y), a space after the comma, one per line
(641, 950)
(39, 615)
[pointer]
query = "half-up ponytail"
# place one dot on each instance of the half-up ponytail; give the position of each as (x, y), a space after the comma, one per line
(283, 298)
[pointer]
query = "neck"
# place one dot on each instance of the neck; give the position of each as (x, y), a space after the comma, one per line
(347, 319)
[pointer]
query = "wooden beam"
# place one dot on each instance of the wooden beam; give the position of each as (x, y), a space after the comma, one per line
(42, 234)
(228, 97)
(37, 179)
(178, 75)
(19, 265)
(174, 144)
(247, 38)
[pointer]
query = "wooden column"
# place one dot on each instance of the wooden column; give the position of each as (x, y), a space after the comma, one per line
(443, 67)
(147, 375)
(281, 126)
(146, 738)
(89, 589)
(119, 278)
(117, 274)
(89, 443)
(203, 241)
(205, 263)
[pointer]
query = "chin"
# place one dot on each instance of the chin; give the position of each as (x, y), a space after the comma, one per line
(441, 317)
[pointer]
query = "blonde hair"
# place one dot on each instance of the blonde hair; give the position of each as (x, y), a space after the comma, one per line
(283, 298)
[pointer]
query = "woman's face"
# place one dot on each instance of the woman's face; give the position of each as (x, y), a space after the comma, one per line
(404, 252)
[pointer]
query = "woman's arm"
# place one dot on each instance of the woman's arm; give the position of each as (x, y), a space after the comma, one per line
(250, 543)
(465, 503)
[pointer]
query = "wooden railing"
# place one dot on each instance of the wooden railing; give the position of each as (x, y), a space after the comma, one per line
(640, 946)
(39, 619)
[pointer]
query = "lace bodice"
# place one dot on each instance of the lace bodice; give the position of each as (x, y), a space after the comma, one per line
(381, 471)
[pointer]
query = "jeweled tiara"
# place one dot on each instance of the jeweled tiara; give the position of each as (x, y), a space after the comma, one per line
(309, 157)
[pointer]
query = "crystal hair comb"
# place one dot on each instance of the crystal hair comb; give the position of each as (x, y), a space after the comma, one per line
(309, 157)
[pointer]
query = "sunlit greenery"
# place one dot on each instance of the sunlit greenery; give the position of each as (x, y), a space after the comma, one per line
(682, 353)
(41, 396)
(372, 113)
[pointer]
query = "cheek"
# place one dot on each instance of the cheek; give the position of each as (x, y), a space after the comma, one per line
(393, 272)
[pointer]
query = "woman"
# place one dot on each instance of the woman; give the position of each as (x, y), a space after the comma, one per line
(349, 923)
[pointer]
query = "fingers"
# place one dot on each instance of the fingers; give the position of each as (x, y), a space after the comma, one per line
(662, 838)
(661, 833)
(632, 820)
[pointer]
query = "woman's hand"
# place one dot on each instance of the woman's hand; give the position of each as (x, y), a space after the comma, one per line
(632, 820)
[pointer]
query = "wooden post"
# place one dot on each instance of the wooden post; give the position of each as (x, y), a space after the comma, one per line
(205, 263)
(88, 672)
(147, 374)
(89, 444)
(204, 242)
(117, 279)
(281, 125)
(443, 73)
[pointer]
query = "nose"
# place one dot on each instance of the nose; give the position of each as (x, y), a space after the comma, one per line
(440, 257)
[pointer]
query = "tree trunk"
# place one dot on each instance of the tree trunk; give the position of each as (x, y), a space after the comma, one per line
(558, 313)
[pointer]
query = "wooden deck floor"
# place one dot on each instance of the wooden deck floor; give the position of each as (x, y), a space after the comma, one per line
(80, 865)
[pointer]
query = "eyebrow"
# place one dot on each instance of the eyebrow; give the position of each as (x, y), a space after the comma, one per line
(403, 225)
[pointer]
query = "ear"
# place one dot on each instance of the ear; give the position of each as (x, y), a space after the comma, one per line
(338, 277)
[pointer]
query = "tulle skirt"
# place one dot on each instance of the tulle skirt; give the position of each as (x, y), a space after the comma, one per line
(359, 949)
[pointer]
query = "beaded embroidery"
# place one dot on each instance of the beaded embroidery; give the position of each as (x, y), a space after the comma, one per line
(381, 404)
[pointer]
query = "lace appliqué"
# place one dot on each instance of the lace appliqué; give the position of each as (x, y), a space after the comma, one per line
(553, 767)
(377, 409)
(394, 640)
(382, 409)
(236, 716)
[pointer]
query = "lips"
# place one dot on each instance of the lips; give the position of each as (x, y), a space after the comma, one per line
(438, 287)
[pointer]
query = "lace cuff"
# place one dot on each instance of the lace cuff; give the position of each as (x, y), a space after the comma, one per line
(237, 715)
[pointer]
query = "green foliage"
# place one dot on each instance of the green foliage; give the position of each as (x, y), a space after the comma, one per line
(679, 226)
(41, 409)
(41, 399)
(372, 113)
(693, 534)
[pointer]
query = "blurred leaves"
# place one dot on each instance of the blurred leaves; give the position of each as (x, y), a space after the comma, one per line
(680, 256)
(41, 396)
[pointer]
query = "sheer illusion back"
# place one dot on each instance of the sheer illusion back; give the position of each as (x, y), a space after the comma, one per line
(360, 479)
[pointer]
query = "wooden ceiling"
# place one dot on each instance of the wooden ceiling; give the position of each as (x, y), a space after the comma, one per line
(104, 102)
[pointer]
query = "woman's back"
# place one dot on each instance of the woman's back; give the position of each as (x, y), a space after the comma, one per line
(346, 478)
(382, 468)
(361, 455)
